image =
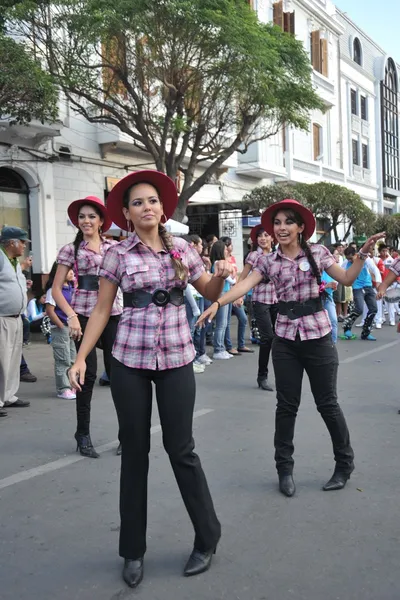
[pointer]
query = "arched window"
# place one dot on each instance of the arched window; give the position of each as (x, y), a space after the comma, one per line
(14, 206)
(390, 127)
(357, 52)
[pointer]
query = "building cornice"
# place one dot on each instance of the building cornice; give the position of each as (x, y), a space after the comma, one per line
(318, 13)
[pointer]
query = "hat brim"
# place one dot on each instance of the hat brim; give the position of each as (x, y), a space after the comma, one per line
(305, 214)
(74, 207)
(164, 185)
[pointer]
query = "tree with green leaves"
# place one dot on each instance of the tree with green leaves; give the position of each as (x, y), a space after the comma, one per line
(190, 82)
(26, 90)
(256, 201)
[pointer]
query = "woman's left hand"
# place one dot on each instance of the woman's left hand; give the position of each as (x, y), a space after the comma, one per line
(222, 269)
(370, 243)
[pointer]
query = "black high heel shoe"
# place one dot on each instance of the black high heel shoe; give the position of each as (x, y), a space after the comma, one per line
(337, 481)
(264, 385)
(132, 572)
(198, 562)
(85, 446)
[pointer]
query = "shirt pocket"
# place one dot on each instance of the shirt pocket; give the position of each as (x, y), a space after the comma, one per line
(138, 276)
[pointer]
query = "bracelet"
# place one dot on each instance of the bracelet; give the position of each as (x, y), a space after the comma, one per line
(71, 317)
(217, 302)
(362, 255)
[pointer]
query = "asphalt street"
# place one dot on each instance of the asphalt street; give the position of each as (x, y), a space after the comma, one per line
(59, 512)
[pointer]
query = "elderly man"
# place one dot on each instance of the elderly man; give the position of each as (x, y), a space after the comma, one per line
(12, 304)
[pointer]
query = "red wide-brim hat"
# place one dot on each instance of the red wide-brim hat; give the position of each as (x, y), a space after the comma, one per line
(254, 233)
(74, 207)
(306, 215)
(164, 185)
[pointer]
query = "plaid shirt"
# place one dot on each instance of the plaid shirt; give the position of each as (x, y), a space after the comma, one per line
(293, 284)
(395, 267)
(87, 263)
(263, 292)
(152, 337)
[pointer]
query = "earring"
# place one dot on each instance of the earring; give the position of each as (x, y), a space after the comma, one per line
(128, 226)
(300, 238)
(164, 218)
(100, 230)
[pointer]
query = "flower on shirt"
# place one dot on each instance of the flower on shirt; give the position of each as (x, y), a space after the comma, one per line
(175, 254)
(322, 287)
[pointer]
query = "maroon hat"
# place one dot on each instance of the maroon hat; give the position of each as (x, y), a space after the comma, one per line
(74, 207)
(306, 215)
(255, 231)
(164, 185)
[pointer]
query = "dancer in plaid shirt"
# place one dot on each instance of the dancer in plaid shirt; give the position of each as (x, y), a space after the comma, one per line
(153, 344)
(84, 255)
(264, 300)
(303, 333)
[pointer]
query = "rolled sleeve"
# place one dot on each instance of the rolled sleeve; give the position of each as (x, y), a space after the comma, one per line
(326, 258)
(262, 265)
(109, 268)
(66, 256)
(195, 264)
(252, 258)
(395, 267)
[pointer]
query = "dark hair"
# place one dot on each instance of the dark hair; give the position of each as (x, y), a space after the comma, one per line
(52, 274)
(217, 251)
(227, 240)
(196, 239)
(187, 238)
(292, 214)
(254, 246)
(350, 251)
(333, 248)
(210, 237)
(79, 236)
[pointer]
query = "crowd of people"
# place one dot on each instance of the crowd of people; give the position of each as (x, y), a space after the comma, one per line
(153, 302)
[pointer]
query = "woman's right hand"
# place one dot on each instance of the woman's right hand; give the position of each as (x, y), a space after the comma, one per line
(76, 374)
(207, 315)
(75, 330)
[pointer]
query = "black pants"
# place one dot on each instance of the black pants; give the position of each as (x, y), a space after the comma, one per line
(319, 359)
(84, 398)
(362, 295)
(175, 391)
(265, 315)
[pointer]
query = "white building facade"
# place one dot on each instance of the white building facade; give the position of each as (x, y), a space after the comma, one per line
(354, 142)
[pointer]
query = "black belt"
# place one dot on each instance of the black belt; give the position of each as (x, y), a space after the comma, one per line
(295, 310)
(161, 297)
(90, 283)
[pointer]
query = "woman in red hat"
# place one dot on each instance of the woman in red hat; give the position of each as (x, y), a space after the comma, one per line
(265, 308)
(153, 344)
(303, 340)
(84, 256)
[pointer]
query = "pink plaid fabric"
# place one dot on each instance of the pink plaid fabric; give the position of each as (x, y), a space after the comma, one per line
(293, 284)
(263, 292)
(395, 267)
(87, 263)
(152, 337)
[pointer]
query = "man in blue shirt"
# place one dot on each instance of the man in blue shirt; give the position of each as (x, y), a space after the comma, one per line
(363, 291)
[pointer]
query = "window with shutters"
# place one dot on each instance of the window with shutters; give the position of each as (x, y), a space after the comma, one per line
(317, 141)
(284, 20)
(251, 3)
(319, 53)
(356, 154)
(365, 156)
(390, 127)
(114, 54)
(364, 108)
(353, 98)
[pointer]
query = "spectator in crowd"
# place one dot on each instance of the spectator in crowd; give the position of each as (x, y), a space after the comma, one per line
(13, 300)
(36, 308)
(219, 252)
(63, 345)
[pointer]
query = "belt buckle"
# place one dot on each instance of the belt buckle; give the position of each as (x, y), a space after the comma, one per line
(161, 297)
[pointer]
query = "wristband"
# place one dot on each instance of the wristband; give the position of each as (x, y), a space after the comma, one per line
(362, 255)
(217, 302)
(71, 317)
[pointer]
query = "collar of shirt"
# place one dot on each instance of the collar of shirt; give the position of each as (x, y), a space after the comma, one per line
(103, 242)
(280, 253)
(130, 242)
(13, 261)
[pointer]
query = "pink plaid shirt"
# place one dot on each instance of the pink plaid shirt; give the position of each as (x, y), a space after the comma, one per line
(87, 263)
(395, 267)
(263, 292)
(152, 337)
(294, 284)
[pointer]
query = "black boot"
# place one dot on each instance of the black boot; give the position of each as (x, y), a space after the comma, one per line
(286, 484)
(198, 562)
(85, 446)
(132, 572)
(337, 481)
(264, 385)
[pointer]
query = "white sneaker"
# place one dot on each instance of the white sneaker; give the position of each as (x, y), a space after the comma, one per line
(360, 325)
(392, 323)
(67, 395)
(221, 356)
(197, 368)
(204, 360)
(378, 325)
